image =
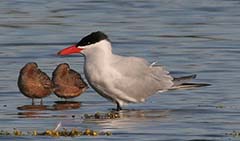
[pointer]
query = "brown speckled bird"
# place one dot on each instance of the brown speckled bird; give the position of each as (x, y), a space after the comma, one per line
(34, 83)
(67, 82)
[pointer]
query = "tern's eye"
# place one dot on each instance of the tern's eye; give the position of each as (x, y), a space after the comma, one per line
(88, 43)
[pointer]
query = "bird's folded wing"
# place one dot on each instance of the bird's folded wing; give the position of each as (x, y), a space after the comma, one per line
(139, 79)
(77, 79)
(45, 80)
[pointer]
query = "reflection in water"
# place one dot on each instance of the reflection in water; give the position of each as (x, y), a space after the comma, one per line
(66, 105)
(33, 107)
(29, 114)
(59, 105)
(188, 36)
(145, 114)
(131, 118)
(31, 111)
(36, 111)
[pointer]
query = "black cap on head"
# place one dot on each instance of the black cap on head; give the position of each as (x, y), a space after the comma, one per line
(92, 38)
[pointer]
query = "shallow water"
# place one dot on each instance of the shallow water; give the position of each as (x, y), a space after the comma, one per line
(186, 36)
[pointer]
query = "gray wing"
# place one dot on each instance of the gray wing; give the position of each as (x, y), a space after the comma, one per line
(140, 79)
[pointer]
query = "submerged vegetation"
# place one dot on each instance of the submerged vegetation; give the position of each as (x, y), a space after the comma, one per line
(234, 134)
(64, 132)
(98, 115)
(74, 132)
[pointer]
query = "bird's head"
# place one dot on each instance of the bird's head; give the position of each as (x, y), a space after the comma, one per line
(29, 69)
(30, 66)
(61, 69)
(85, 43)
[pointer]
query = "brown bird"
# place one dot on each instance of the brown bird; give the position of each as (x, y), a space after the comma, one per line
(34, 83)
(67, 82)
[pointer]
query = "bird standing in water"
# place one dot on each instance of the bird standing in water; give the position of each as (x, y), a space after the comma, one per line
(67, 82)
(122, 79)
(34, 83)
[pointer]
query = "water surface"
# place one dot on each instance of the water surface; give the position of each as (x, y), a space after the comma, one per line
(186, 36)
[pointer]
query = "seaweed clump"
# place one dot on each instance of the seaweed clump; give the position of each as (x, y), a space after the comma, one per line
(234, 134)
(74, 132)
(98, 115)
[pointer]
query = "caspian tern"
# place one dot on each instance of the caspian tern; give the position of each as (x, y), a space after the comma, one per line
(34, 83)
(67, 82)
(122, 79)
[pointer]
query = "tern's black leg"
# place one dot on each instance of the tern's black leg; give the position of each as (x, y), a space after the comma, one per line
(41, 102)
(32, 101)
(119, 108)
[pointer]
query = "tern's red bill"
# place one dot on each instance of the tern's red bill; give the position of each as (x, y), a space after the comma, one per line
(70, 50)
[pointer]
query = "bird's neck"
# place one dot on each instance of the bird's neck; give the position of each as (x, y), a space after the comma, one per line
(100, 52)
(97, 60)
